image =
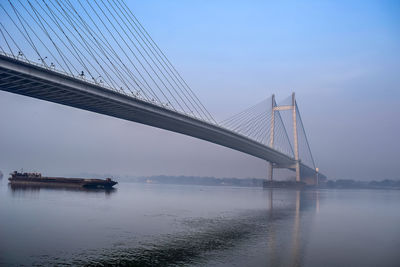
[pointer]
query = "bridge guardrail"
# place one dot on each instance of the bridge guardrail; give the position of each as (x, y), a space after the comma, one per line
(45, 66)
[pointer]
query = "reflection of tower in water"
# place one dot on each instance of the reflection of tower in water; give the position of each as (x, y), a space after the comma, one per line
(296, 258)
(273, 261)
(288, 233)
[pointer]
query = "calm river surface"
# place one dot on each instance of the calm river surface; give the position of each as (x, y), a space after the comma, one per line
(150, 225)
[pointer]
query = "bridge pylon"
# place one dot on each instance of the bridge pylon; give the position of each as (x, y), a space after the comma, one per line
(291, 108)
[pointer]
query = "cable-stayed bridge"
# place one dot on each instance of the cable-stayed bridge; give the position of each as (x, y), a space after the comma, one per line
(97, 56)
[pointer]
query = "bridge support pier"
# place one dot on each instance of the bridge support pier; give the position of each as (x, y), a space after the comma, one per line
(270, 171)
(295, 140)
(271, 137)
(298, 177)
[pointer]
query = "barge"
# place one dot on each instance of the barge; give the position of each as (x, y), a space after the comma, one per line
(38, 179)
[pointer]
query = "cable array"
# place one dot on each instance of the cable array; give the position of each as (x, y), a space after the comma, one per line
(305, 154)
(304, 147)
(255, 123)
(99, 41)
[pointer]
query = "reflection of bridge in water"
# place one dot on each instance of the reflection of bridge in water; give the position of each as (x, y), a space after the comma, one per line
(279, 229)
(101, 59)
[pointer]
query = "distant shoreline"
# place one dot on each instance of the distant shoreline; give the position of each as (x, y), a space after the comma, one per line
(257, 182)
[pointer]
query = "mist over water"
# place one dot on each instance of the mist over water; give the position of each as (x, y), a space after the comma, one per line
(149, 225)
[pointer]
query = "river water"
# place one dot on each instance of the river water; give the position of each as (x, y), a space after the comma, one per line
(152, 225)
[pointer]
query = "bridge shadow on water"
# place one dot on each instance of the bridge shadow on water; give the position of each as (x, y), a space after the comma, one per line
(279, 228)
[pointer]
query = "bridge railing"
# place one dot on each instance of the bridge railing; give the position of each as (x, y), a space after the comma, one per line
(137, 97)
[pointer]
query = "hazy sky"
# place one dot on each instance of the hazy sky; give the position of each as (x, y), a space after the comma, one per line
(342, 58)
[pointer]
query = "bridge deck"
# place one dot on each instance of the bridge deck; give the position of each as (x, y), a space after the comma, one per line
(31, 80)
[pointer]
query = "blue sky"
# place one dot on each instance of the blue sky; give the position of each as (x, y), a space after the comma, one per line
(342, 58)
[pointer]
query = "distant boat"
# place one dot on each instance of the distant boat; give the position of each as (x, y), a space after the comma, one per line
(1, 175)
(37, 179)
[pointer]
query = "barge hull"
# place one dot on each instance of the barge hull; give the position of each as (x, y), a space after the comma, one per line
(37, 179)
